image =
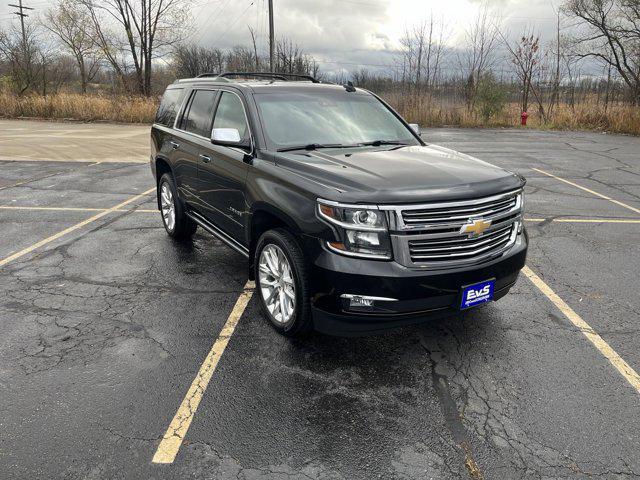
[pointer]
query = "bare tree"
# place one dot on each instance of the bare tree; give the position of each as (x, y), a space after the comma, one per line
(239, 59)
(479, 54)
(144, 30)
(72, 25)
(526, 57)
(255, 48)
(22, 53)
(290, 58)
(555, 93)
(57, 70)
(611, 34)
(422, 52)
(191, 60)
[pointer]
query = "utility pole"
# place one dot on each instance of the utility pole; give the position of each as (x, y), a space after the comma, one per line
(271, 37)
(22, 16)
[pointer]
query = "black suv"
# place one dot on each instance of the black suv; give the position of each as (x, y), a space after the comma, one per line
(350, 222)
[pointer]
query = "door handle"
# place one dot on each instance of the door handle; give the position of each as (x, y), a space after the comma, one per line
(175, 145)
(205, 158)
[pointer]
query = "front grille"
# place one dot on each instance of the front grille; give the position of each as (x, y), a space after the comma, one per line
(429, 236)
(454, 248)
(437, 215)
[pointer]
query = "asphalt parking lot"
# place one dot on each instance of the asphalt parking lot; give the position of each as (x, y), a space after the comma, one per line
(108, 329)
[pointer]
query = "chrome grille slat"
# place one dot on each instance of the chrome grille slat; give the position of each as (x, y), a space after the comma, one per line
(428, 235)
(435, 231)
(469, 210)
(460, 254)
(492, 240)
(458, 238)
(484, 213)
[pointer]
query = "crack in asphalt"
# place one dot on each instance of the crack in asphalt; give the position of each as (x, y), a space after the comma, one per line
(451, 415)
(483, 408)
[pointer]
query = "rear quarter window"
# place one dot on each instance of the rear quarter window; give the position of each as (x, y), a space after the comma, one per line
(169, 105)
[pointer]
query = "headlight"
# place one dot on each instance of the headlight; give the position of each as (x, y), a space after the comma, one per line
(521, 204)
(362, 231)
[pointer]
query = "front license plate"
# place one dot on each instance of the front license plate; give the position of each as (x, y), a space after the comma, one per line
(477, 294)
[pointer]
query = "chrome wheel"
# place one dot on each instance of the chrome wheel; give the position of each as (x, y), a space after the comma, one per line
(276, 283)
(168, 207)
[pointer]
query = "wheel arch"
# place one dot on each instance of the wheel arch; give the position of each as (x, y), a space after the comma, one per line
(266, 217)
(162, 166)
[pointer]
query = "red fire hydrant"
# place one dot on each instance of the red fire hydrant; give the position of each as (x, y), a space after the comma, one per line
(523, 119)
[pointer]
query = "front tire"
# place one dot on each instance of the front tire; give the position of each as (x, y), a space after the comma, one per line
(281, 282)
(174, 218)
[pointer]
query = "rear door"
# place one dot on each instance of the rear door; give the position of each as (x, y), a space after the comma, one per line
(163, 134)
(223, 171)
(195, 128)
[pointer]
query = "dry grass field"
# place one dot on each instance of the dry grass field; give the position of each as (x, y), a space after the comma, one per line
(616, 118)
(586, 115)
(86, 108)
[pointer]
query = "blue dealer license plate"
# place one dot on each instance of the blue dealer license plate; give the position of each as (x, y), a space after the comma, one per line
(477, 294)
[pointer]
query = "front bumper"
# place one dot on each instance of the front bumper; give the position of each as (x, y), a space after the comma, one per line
(417, 295)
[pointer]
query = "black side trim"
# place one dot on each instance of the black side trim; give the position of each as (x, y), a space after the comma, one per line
(215, 231)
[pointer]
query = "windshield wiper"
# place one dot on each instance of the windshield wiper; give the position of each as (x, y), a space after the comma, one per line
(317, 146)
(313, 146)
(377, 143)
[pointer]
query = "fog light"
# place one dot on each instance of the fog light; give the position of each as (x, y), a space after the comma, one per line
(364, 303)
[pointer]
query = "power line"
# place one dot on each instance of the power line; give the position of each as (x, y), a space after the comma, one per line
(233, 23)
(260, 24)
(21, 8)
(221, 8)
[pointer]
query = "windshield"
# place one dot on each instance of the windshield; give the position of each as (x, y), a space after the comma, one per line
(328, 118)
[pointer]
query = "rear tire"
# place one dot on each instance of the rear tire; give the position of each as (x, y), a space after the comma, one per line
(281, 283)
(174, 218)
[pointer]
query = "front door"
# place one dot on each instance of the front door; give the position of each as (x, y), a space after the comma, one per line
(223, 172)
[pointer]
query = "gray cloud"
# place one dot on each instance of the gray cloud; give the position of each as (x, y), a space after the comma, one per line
(332, 30)
(342, 34)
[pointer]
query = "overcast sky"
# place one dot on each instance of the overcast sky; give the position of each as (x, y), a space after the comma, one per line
(345, 34)
(349, 34)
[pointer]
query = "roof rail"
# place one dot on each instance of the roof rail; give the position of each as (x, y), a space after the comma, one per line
(276, 76)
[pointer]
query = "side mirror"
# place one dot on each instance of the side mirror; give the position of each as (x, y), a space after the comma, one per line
(415, 127)
(226, 136)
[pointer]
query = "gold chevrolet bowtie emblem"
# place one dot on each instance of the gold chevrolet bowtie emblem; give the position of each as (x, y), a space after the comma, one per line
(475, 228)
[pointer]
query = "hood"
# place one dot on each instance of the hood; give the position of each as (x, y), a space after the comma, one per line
(399, 175)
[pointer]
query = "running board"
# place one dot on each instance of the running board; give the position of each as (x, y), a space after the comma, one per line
(216, 232)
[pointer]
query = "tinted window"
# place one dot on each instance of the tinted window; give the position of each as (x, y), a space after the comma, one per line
(198, 117)
(230, 114)
(329, 117)
(169, 107)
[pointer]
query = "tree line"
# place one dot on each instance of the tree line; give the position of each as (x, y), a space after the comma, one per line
(138, 46)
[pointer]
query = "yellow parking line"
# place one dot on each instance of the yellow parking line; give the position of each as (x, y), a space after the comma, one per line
(584, 220)
(595, 220)
(66, 231)
(174, 436)
(74, 209)
(603, 347)
(617, 202)
(53, 209)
